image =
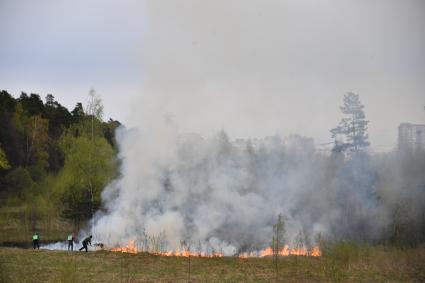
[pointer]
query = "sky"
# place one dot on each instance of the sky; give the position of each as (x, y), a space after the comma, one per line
(252, 68)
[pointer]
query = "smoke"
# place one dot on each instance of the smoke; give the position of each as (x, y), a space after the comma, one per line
(219, 65)
(227, 194)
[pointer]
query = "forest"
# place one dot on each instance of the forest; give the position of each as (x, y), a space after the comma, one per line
(53, 164)
(364, 211)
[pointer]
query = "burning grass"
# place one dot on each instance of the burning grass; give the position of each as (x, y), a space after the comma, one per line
(340, 263)
(285, 251)
(133, 248)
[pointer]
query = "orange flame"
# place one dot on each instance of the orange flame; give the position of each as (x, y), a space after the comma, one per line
(285, 251)
(130, 248)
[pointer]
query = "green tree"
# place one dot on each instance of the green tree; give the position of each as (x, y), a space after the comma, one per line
(109, 131)
(88, 168)
(18, 181)
(36, 139)
(77, 113)
(33, 105)
(89, 163)
(76, 204)
(57, 116)
(7, 102)
(54, 162)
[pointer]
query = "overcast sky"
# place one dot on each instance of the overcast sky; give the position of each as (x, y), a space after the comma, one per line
(253, 68)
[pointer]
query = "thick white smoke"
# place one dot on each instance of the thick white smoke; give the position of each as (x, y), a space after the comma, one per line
(227, 194)
(237, 65)
(222, 65)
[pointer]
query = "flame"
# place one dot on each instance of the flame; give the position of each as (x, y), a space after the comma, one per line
(315, 251)
(266, 252)
(131, 247)
(285, 251)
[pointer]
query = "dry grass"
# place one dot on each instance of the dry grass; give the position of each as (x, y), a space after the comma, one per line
(17, 229)
(340, 264)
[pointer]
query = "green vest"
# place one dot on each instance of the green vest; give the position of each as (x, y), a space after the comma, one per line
(69, 237)
(35, 237)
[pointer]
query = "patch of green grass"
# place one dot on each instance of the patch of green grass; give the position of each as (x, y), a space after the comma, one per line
(17, 226)
(342, 263)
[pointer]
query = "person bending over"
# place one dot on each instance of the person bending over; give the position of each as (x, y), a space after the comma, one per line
(85, 242)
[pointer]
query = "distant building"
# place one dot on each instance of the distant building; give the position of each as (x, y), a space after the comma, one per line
(411, 136)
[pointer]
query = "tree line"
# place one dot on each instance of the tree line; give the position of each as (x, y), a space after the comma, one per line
(53, 161)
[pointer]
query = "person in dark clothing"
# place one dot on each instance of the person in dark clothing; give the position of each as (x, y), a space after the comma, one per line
(85, 242)
(35, 241)
(71, 242)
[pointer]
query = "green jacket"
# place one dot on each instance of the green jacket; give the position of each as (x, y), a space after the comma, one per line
(87, 241)
(35, 237)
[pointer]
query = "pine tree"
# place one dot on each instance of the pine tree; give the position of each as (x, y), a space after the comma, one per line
(350, 135)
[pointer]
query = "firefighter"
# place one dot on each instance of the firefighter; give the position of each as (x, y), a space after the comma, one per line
(85, 242)
(35, 241)
(71, 242)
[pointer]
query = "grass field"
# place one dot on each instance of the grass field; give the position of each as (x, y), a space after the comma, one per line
(341, 263)
(16, 227)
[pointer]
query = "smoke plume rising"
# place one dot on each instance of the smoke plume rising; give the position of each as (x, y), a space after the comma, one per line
(227, 194)
(210, 66)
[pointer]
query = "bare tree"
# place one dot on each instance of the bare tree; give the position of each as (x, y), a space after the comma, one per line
(94, 111)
